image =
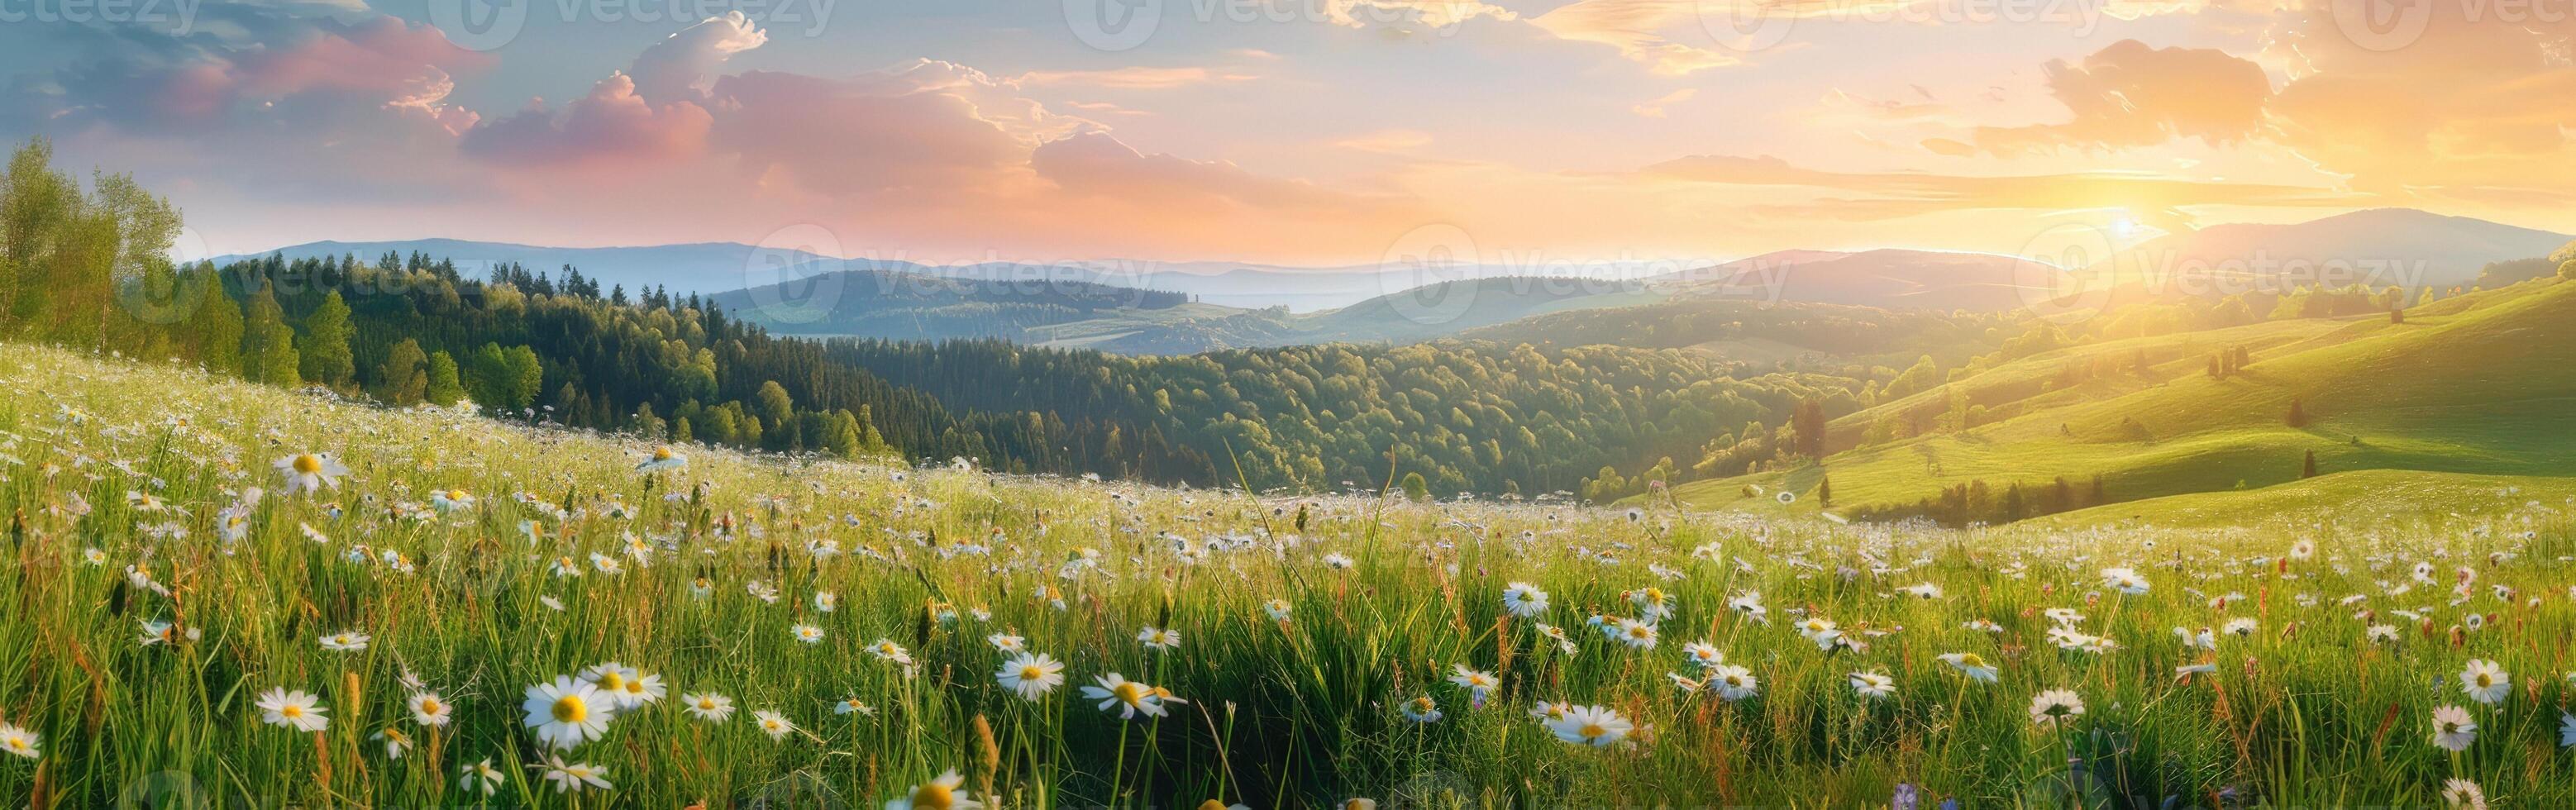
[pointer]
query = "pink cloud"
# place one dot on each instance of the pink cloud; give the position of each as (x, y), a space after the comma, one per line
(612, 127)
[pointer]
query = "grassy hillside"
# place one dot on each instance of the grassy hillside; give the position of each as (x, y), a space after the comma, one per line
(2479, 384)
(2381, 498)
(171, 590)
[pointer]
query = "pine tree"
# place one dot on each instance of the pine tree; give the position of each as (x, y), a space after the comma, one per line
(2298, 413)
(1825, 492)
(2308, 468)
(325, 347)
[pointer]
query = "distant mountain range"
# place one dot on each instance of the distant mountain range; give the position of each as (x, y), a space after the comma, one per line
(715, 267)
(1198, 306)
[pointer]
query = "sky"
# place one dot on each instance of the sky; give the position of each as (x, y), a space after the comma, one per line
(1541, 133)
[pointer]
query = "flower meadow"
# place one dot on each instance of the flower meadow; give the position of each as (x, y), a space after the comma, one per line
(241, 597)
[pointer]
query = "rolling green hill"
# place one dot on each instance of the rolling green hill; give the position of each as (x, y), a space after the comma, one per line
(2366, 496)
(2480, 384)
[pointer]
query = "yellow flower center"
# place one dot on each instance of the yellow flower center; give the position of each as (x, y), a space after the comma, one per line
(1591, 730)
(933, 795)
(2485, 680)
(430, 706)
(308, 464)
(570, 709)
(1031, 673)
(1971, 660)
(635, 687)
(661, 454)
(707, 703)
(456, 495)
(290, 711)
(1129, 693)
(611, 680)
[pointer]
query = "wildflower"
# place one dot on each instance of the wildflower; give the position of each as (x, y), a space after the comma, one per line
(1129, 696)
(20, 741)
(852, 705)
(1820, 630)
(1872, 685)
(428, 710)
(574, 776)
(772, 723)
(1733, 682)
(310, 472)
(2381, 634)
(886, 649)
(1158, 639)
(395, 742)
(2055, 707)
(1006, 642)
(1338, 561)
(296, 710)
(2124, 580)
(345, 641)
(1478, 684)
(480, 776)
(1276, 609)
(2485, 682)
(663, 458)
(1703, 654)
(567, 712)
(1524, 600)
(1652, 603)
(825, 601)
(710, 707)
(943, 793)
(1637, 634)
(1422, 710)
(1971, 665)
(1590, 725)
(453, 500)
(2463, 794)
(2241, 627)
(2453, 729)
(808, 633)
(1031, 675)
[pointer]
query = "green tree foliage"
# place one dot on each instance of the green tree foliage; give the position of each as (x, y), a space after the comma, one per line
(268, 344)
(324, 345)
(404, 376)
(215, 328)
(445, 386)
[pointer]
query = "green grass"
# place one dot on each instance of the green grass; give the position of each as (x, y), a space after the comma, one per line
(2476, 385)
(2390, 496)
(1302, 713)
